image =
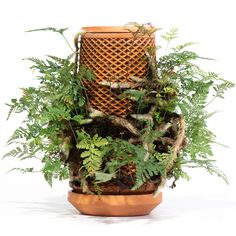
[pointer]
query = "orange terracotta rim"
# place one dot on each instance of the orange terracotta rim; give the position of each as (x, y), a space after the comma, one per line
(110, 29)
(114, 205)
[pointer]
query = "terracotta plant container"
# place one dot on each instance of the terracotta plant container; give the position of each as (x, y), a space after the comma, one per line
(114, 119)
(114, 54)
(114, 205)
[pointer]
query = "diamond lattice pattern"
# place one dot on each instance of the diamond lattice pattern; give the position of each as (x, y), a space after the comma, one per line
(113, 60)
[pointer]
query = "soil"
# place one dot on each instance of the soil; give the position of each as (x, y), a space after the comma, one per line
(111, 188)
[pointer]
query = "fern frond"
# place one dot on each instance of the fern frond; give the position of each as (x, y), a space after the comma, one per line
(54, 169)
(23, 170)
(19, 133)
(52, 29)
(172, 34)
(92, 154)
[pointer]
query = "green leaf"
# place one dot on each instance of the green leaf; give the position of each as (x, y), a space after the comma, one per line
(53, 169)
(101, 142)
(96, 151)
(85, 154)
(103, 177)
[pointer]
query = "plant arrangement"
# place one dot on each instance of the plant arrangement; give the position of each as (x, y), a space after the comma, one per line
(165, 132)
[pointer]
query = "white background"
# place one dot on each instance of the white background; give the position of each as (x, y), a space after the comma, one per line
(205, 205)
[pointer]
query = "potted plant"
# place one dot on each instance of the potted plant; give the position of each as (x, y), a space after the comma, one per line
(118, 161)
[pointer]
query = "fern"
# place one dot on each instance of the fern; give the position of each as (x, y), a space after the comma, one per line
(154, 167)
(54, 169)
(145, 171)
(50, 107)
(19, 133)
(60, 31)
(57, 115)
(194, 86)
(24, 151)
(24, 170)
(92, 153)
(183, 46)
(172, 34)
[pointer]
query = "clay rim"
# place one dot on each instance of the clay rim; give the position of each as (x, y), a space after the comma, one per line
(111, 29)
(113, 205)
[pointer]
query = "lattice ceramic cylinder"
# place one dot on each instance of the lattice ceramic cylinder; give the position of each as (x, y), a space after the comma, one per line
(114, 54)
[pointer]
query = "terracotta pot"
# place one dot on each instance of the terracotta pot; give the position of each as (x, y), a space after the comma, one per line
(114, 205)
(115, 55)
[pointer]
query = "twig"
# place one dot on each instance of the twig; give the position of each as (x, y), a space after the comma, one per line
(93, 113)
(180, 136)
(137, 79)
(176, 147)
(166, 140)
(76, 39)
(160, 187)
(152, 65)
(67, 42)
(117, 85)
(143, 117)
(124, 123)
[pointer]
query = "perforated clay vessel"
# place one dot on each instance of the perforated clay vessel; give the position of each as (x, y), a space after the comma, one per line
(114, 54)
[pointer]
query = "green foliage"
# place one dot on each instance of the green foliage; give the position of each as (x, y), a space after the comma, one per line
(169, 36)
(153, 167)
(54, 169)
(194, 87)
(57, 116)
(183, 46)
(103, 177)
(23, 151)
(92, 151)
(51, 107)
(119, 153)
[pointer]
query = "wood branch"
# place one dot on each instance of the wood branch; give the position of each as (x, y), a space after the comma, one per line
(147, 148)
(145, 117)
(152, 109)
(180, 136)
(76, 39)
(166, 140)
(152, 66)
(137, 79)
(163, 127)
(160, 187)
(76, 173)
(85, 187)
(93, 113)
(86, 121)
(118, 85)
(135, 140)
(178, 143)
(124, 123)
(142, 117)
